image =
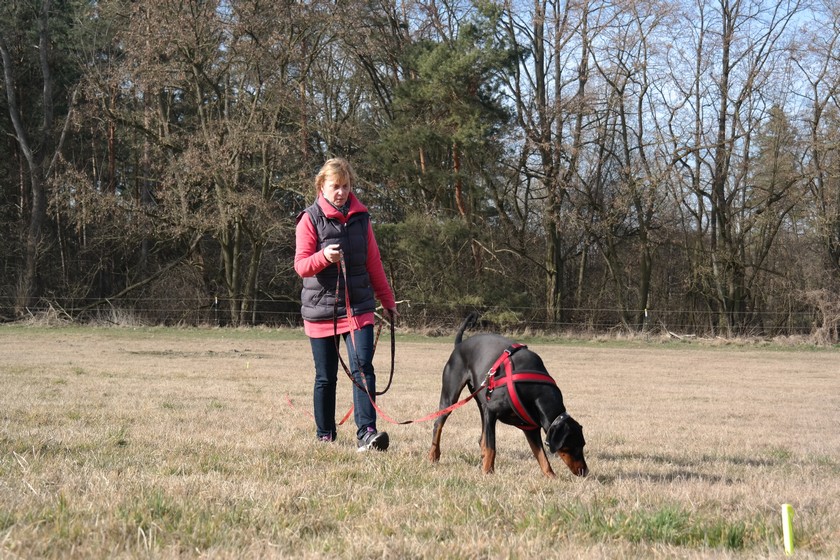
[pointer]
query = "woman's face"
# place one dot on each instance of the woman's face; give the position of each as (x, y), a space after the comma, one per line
(336, 189)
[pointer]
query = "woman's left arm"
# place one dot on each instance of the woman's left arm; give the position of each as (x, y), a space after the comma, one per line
(377, 273)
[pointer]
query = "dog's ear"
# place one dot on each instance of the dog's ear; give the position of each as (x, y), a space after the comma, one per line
(564, 432)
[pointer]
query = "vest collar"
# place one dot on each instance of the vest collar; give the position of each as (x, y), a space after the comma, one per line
(334, 213)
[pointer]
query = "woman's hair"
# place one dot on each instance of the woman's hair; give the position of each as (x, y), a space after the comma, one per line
(339, 167)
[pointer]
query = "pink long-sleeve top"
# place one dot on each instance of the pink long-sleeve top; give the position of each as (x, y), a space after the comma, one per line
(310, 260)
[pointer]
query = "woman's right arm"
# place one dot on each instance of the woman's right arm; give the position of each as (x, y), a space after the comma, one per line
(309, 261)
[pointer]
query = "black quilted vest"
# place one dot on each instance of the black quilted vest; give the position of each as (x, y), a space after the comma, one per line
(318, 296)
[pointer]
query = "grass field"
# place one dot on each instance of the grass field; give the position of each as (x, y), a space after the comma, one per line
(164, 443)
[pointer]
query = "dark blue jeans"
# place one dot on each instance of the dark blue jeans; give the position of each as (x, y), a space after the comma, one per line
(325, 354)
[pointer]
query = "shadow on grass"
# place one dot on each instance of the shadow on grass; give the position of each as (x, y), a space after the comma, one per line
(682, 468)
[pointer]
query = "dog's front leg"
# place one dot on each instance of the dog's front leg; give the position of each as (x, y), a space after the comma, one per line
(488, 443)
(533, 437)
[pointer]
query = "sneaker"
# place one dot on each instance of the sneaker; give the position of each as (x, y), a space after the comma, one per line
(326, 439)
(373, 440)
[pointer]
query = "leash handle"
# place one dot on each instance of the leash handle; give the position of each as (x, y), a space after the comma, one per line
(362, 386)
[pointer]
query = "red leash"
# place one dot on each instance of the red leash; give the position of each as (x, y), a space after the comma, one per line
(363, 385)
(343, 420)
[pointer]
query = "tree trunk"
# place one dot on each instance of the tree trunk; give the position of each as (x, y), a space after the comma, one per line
(35, 158)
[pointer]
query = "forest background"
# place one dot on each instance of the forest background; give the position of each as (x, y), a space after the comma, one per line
(576, 165)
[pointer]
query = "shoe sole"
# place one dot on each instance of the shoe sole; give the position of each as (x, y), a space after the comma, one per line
(379, 442)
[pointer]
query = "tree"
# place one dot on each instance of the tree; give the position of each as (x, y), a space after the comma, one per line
(819, 65)
(549, 90)
(447, 117)
(622, 195)
(40, 144)
(736, 49)
(218, 95)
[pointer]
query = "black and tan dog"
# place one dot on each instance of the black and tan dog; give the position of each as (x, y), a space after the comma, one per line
(514, 387)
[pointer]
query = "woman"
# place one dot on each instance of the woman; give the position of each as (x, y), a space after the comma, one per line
(335, 224)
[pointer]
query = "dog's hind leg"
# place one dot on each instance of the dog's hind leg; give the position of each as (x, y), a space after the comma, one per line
(533, 437)
(434, 452)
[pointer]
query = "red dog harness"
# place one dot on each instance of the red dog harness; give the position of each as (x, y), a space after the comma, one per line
(506, 377)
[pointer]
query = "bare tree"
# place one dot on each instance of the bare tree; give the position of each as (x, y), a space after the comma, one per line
(223, 113)
(819, 64)
(622, 193)
(549, 92)
(737, 48)
(40, 147)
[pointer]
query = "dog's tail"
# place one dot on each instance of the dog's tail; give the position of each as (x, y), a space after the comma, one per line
(469, 321)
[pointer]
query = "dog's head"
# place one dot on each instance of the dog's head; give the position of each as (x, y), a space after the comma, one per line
(565, 437)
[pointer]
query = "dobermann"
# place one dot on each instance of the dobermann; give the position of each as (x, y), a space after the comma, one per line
(511, 385)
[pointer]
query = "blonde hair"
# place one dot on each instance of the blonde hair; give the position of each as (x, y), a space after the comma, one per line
(338, 167)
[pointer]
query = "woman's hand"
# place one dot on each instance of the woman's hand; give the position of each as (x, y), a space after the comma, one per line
(332, 253)
(390, 314)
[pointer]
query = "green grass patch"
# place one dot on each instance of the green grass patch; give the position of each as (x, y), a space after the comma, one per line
(665, 524)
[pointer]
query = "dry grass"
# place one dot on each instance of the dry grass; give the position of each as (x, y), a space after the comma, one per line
(162, 443)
